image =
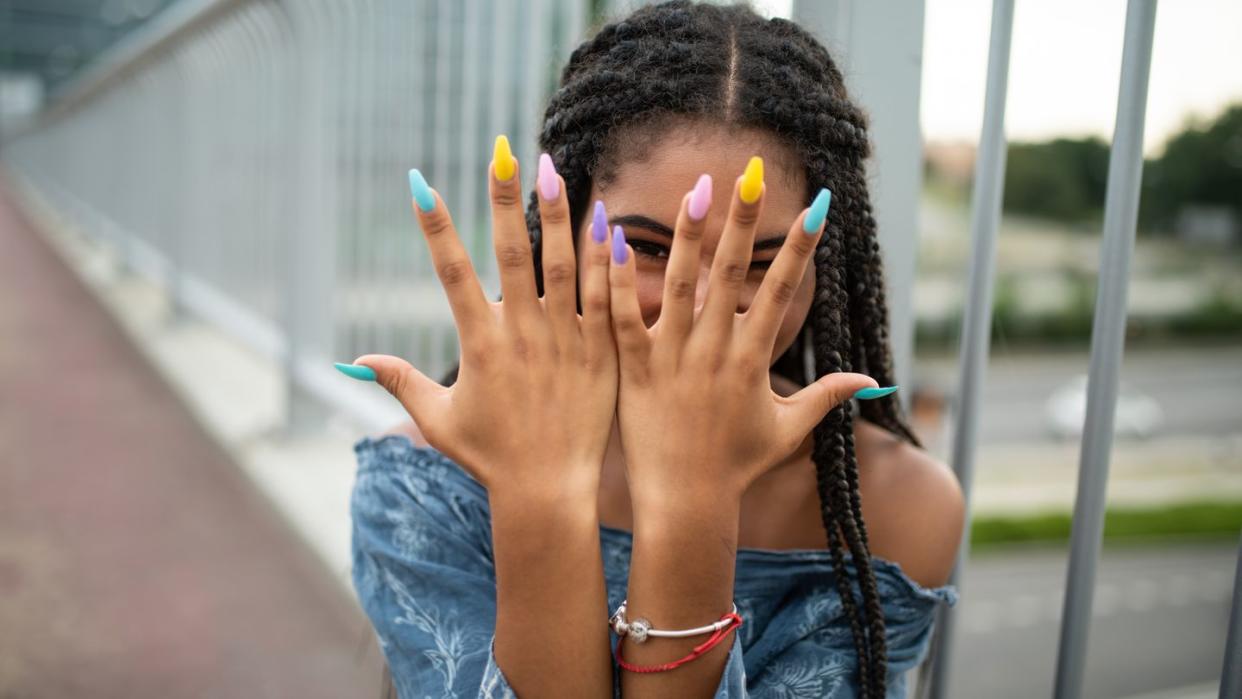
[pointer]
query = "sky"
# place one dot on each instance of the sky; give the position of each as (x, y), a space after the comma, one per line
(1065, 63)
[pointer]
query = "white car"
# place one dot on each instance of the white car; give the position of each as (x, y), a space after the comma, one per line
(1137, 414)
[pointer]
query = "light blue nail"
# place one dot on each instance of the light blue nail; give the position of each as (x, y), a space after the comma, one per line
(356, 371)
(817, 213)
(869, 393)
(422, 193)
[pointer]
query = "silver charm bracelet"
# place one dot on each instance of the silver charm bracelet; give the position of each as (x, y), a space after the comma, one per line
(640, 629)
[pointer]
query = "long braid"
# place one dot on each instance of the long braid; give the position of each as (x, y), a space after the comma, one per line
(622, 88)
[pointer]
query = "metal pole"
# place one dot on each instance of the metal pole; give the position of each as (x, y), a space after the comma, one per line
(1125, 170)
(1231, 675)
(977, 316)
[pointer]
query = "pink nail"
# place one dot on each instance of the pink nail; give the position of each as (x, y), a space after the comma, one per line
(549, 186)
(701, 197)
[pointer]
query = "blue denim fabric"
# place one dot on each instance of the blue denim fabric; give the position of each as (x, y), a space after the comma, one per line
(423, 570)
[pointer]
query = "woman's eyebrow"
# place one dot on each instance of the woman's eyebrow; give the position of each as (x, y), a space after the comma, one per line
(773, 242)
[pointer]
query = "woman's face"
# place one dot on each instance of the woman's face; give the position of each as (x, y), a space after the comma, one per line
(644, 197)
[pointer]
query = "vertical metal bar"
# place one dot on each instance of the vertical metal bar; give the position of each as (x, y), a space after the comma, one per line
(977, 316)
(1231, 674)
(1125, 170)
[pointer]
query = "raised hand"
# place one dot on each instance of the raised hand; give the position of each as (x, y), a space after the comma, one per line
(534, 400)
(698, 417)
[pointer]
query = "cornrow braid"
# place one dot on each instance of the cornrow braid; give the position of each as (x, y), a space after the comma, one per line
(624, 87)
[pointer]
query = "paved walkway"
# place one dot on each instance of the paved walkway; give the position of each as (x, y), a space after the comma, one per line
(136, 560)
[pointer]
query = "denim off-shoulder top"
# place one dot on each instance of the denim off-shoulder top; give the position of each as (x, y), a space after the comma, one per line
(425, 575)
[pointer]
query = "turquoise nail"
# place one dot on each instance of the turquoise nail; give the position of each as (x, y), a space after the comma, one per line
(356, 371)
(869, 393)
(422, 193)
(817, 213)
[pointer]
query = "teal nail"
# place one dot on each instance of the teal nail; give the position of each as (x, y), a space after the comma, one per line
(422, 193)
(356, 371)
(817, 213)
(870, 393)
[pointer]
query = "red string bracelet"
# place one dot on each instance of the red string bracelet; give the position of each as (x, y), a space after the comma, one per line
(713, 641)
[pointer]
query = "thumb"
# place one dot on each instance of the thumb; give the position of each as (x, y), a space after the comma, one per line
(408, 385)
(809, 406)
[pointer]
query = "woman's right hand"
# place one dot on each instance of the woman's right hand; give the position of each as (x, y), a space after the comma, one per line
(535, 396)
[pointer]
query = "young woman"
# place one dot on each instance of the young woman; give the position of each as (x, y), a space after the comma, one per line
(658, 411)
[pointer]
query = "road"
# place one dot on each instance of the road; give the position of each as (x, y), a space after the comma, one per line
(1159, 621)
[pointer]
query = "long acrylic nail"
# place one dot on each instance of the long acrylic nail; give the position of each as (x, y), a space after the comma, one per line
(870, 393)
(815, 216)
(700, 198)
(502, 159)
(752, 181)
(356, 371)
(619, 253)
(549, 185)
(422, 193)
(599, 223)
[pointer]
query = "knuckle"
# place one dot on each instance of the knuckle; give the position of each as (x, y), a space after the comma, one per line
(560, 272)
(782, 291)
(512, 256)
(746, 215)
(801, 244)
(454, 272)
(681, 288)
(507, 195)
(437, 224)
(733, 273)
(553, 215)
(597, 302)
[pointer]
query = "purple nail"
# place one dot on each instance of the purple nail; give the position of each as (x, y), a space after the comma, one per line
(618, 245)
(701, 197)
(549, 187)
(599, 224)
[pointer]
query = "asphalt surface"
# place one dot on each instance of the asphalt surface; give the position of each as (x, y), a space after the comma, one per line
(136, 560)
(1159, 620)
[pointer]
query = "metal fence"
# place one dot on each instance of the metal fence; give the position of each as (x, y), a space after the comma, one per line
(247, 154)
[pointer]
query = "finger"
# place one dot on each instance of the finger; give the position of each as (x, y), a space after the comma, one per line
(627, 318)
(560, 267)
(732, 261)
(465, 295)
(596, 301)
(681, 276)
(785, 276)
(510, 238)
(805, 409)
(421, 397)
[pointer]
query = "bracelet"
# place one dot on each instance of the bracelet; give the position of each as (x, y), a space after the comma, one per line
(730, 621)
(640, 629)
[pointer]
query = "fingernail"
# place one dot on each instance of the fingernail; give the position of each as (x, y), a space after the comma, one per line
(618, 245)
(701, 197)
(502, 159)
(817, 213)
(599, 223)
(356, 371)
(549, 186)
(752, 181)
(870, 393)
(422, 193)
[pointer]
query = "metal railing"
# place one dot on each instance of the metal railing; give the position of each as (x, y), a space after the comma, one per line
(247, 153)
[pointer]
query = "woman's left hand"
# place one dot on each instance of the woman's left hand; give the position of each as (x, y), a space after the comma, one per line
(697, 414)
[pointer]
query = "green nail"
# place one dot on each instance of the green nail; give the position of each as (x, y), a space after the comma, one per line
(356, 371)
(818, 211)
(870, 393)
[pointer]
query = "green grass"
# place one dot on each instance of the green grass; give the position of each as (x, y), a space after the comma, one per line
(1209, 519)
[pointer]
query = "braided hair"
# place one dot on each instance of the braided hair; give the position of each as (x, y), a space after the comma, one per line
(679, 60)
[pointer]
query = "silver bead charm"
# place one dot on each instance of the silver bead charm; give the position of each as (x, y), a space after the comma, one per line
(638, 630)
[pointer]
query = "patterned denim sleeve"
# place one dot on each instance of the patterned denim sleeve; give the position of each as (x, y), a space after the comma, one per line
(423, 570)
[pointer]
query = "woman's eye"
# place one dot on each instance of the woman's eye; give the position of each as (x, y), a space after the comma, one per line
(659, 252)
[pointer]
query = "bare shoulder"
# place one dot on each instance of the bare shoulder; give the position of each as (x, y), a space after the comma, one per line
(409, 429)
(912, 504)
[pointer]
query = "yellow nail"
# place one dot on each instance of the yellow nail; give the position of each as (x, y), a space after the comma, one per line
(752, 181)
(502, 159)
